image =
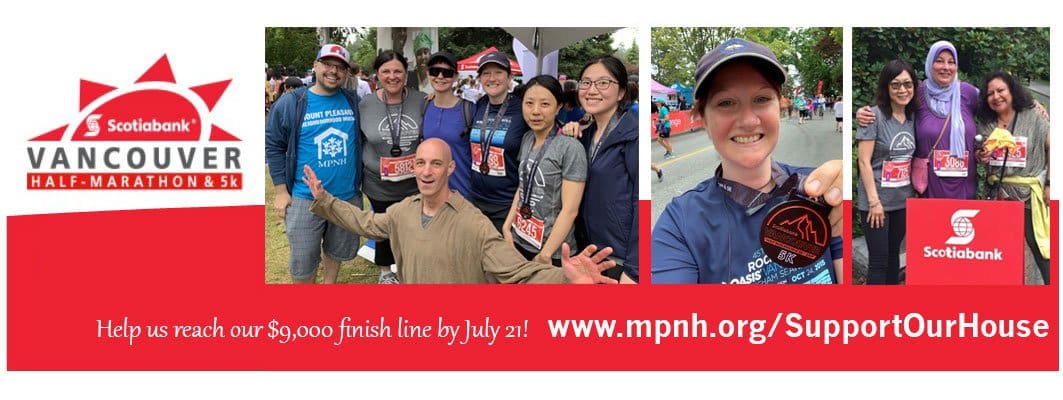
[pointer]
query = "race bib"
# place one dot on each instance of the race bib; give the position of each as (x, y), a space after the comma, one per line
(947, 166)
(394, 169)
(1016, 158)
(896, 173)
(531, 230)
(496, 163)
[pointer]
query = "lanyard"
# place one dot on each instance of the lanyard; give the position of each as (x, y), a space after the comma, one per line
(485, 137)
(395, 124)
(528, 177)
(609, 128)
(754, 199)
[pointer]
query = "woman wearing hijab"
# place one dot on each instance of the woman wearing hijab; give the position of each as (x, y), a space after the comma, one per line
(944, 126)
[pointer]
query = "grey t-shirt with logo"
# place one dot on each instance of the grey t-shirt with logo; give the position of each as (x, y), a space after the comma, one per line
(376, 133)
(564, 159)
(894, 145)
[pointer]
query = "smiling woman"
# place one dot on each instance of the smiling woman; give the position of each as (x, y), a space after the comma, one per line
(714, 233)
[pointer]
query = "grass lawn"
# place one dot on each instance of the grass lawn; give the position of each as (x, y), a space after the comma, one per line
(357, 270)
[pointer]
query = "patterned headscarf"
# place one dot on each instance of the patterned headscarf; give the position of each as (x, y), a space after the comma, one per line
(945, 100)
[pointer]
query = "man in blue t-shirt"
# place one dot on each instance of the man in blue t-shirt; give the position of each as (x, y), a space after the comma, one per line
(316, 127)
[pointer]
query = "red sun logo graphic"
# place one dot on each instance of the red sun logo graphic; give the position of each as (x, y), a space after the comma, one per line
(154, 108)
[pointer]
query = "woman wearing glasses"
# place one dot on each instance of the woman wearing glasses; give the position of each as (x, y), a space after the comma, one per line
(391, 131)
(712, 233)
(448, 117)
(884, 156)
(553, 169)
(609, 211)
(944, 126)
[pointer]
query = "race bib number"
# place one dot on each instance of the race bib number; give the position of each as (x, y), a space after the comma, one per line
(1016, 158)
(896, 173)
(495, 161)
(947, 166)
(394, 169)
(531, 230)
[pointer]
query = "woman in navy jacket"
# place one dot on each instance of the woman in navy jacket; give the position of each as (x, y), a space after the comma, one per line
(609, 210)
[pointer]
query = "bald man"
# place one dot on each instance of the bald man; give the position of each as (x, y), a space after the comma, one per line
(439, 237)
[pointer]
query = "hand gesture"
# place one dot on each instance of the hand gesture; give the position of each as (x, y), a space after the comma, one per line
(310, 179)
(587, 266)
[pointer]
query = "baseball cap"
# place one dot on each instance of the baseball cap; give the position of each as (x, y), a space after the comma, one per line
(334, 51)
(495, 57)
(443, 56)
(732, 49)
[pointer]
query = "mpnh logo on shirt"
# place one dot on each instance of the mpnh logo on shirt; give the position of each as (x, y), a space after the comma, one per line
(153, 134)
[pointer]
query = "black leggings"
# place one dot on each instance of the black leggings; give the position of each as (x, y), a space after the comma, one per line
(884, 248)
(1042, 263)
(384, 257)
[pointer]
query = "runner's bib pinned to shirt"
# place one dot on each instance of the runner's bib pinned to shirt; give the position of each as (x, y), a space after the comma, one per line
(1016, 158)
(394, 169)
(896, 173)
(496, 162)
(947, 166)
(530, 229)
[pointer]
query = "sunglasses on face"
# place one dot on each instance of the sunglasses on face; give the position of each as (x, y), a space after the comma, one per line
(447, 72)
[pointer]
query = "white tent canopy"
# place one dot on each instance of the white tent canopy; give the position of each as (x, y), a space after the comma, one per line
(541, 41)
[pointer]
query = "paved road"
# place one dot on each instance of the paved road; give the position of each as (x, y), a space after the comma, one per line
(806, 145)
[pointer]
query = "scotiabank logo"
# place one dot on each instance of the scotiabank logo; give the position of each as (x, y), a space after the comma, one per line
(962, 235)
(962, 227)
(153, 134)
(943, 247)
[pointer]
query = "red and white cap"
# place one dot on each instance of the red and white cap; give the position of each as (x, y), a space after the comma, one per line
(334, 51)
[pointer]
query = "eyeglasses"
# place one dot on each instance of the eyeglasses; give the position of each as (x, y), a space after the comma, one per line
(447, 72)
(897, 85)
(601, 84)
(328, 66)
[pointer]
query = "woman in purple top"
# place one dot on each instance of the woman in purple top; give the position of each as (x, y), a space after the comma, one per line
(950, 148)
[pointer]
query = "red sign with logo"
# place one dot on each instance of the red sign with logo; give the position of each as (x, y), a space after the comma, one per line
(964, 242)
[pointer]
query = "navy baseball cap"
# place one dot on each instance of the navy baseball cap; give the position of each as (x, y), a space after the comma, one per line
(445, 57)
(495, 57)
(761, 57)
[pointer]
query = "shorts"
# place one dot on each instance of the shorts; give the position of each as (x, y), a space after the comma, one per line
(309, 235)
(664, 131)
(838, 119)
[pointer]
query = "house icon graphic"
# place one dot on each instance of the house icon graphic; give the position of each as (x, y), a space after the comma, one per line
(331, 142)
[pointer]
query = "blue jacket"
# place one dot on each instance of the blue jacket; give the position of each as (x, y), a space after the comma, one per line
(282, 136)
(609, 212)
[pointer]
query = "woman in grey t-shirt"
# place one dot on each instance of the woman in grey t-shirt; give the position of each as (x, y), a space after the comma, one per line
(553, 171)
(884, 155)
(391, 130)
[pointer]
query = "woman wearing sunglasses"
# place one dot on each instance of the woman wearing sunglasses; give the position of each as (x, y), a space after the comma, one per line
(449, 117)
(391, 130)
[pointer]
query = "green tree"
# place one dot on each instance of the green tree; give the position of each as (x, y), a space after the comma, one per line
(291, 47)
(572, 58)
(631, 56)
(1024, 52)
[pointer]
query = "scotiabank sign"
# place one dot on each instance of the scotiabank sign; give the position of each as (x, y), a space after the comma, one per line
(964, 242)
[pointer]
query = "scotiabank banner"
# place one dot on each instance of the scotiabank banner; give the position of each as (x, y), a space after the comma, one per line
(182, 289)
(964, 242)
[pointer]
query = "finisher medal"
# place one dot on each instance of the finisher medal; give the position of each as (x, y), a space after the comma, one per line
(796, 232)
(525, 211)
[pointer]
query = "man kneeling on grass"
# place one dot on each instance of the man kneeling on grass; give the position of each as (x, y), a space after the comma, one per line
(439, 237)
